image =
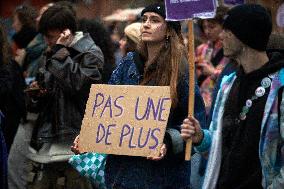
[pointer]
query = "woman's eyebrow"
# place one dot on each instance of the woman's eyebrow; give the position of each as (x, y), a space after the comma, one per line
(151, 17)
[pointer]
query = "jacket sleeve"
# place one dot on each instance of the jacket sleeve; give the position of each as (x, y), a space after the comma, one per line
(173, 130)
(210, 133)
(125, 73)
(116, 76)
(77, 73)
(205, 144)
(278, 180)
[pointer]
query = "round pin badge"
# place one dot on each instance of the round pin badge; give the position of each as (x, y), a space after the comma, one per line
(273, 75)
(249, 103)
(266, 82)
(245, 110)
(260, 91)
(243, 116)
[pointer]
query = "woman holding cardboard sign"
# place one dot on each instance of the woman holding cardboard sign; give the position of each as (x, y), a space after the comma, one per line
(159, 61)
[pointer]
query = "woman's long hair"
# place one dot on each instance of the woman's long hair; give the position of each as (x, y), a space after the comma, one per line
(4, 46)
(167, 66)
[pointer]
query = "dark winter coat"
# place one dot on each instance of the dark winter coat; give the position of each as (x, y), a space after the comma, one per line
(12, 100)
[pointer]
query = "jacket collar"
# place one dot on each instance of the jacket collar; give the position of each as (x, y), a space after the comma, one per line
(83, 42)
(277, 83)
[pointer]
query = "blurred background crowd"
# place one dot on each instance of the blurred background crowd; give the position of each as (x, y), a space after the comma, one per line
(114, 26)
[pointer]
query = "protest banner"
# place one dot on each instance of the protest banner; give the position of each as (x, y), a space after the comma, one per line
(233, 2)
(185, 9)
(189, 9)
(125, 120)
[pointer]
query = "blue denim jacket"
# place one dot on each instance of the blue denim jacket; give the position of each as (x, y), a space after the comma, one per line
(138, 172)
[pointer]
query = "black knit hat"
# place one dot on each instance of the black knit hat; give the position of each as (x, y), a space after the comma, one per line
(159, 8)
(251, 24)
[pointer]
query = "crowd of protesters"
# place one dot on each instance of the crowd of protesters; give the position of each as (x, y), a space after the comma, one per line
(49, 64)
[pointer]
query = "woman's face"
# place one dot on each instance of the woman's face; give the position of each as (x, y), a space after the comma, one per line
(17, 25)
(232, 46)
(153, 27)
(211, 30)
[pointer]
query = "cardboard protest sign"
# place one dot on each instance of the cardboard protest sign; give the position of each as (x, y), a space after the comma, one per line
(185, 9)
(125, 120)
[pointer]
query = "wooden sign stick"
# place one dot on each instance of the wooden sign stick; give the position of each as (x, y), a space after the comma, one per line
(191, 94)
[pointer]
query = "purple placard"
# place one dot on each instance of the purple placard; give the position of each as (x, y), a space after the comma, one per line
(233, 2)
(186, 9)
(280, 16)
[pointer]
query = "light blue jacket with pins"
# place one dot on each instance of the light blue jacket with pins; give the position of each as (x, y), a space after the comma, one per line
(271, 144)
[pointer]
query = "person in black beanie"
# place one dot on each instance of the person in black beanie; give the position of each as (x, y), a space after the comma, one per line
(246, 134)
(159, 8)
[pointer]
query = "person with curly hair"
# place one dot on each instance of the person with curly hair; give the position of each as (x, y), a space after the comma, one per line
(210, 60)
